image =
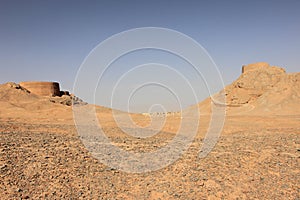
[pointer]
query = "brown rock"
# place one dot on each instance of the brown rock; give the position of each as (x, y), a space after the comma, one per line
(261, 89)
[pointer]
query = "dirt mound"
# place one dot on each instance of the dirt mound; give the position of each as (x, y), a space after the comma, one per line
(18, 95)
(18, 103)
(261, 89)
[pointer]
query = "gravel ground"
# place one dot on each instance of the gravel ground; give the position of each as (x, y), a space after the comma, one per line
(50, 162)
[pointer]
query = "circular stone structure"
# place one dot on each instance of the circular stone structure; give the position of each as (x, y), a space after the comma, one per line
(42, 88)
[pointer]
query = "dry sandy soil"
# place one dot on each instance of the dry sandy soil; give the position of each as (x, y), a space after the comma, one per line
(256, 157)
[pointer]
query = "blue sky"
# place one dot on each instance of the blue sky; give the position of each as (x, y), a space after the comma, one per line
(48, 40)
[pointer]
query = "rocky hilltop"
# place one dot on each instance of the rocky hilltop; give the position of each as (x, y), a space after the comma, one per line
(261, 89)
(37, 91)
(40, 102)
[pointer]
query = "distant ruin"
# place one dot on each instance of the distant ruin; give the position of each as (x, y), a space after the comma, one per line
(260, 66)
(42, 88)
(50, 90)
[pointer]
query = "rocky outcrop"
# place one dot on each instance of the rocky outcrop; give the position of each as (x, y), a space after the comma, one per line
(256, 80)
(16, 86)
(261, 89)
(67, 99)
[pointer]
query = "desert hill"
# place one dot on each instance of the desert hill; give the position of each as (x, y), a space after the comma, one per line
(256, 156)
(19, 103)
(261, 90)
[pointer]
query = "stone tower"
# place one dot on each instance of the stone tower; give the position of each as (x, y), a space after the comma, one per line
(42, 88)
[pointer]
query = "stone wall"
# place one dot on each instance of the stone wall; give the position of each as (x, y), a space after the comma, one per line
(42, 88)
(261, 66)
(254, 66)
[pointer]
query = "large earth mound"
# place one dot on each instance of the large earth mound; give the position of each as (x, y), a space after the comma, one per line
(261, 90)
(17, 102)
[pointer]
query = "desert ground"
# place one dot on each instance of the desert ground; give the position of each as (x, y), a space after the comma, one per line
(257, 155)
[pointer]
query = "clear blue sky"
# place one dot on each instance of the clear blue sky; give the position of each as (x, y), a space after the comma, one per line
(48, 40)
